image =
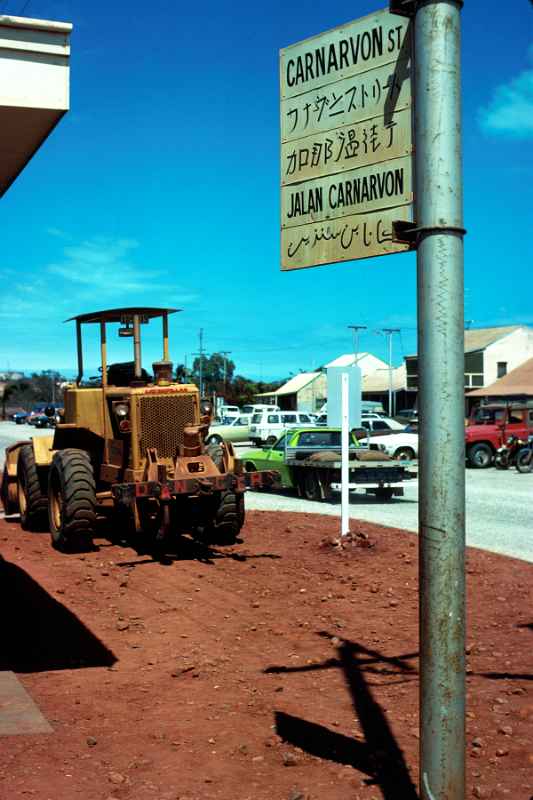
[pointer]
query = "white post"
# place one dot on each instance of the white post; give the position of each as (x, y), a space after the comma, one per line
(345, 478)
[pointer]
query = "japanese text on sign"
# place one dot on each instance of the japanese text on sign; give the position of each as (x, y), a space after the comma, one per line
(346, 130)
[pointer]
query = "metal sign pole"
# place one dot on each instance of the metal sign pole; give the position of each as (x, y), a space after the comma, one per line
(441, 370)
(345, 455)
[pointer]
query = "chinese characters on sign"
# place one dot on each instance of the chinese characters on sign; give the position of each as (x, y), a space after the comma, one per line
(346, 149)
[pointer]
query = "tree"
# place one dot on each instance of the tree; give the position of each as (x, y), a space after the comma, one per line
(18, 393)
(217, 371)
(41, 387)
(47, 385)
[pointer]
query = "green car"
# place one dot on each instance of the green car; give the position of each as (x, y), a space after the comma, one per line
(314, 438)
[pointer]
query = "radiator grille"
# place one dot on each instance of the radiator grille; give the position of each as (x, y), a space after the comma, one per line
(162, 421)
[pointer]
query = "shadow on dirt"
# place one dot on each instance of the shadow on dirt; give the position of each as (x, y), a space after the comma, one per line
(38, 633)
(188, 549)
(379, 755)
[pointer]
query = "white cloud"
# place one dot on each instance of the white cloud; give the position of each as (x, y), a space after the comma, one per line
(96, 273)
(510, 112)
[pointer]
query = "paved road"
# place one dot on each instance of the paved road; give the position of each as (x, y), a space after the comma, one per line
(499, 509)
(499, 504)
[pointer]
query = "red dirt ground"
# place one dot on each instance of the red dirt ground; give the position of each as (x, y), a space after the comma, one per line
(277, 669)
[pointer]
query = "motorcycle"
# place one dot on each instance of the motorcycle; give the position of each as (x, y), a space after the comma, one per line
(506, 455)
(524, 458)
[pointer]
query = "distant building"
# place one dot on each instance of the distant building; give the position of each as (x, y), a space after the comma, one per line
(308, 391)
(490, 353)
(517, 386)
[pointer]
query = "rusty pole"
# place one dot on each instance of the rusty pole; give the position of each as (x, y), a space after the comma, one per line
(441, 370)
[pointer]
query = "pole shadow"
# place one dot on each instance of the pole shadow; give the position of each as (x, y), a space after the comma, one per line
(379, 755)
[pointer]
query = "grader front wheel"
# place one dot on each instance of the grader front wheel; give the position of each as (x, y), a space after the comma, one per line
(71, 500)
(228, 519)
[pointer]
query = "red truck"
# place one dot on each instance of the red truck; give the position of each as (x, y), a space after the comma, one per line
(490, 426)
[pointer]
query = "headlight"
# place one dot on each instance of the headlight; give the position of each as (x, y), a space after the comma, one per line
(121, 410)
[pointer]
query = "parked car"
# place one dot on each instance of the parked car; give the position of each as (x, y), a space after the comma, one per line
(35, 412)
(43, 421)
(403, 446)
(273, 456)
(229, 411)
(408, 413)
(375, 423)
(19, 417)
(258, 408)
(267, 426)
(232, 430)
(490, 426)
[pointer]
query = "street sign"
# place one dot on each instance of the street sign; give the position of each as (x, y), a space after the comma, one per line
(346, 142)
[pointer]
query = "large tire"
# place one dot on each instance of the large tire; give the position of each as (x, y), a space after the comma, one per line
(32, 500)
(72, 500)
(524, 460)
(311, 485)
(385, 493)
(480, 455)
(227, 521)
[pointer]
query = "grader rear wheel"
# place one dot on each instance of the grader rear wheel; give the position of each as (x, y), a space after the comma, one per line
(72, 500)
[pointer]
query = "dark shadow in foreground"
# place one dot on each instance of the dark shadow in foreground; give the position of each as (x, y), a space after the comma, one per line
(38, 633)
(379, 755)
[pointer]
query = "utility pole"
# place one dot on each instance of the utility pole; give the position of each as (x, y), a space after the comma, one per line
(355, 331)
(389, 332)
(225, 353)
(200, 353)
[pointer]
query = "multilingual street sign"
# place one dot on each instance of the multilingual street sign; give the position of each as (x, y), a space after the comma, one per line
(346, 142)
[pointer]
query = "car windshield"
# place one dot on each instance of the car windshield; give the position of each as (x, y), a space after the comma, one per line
(488, 416)
(280, 444)
(247, 409)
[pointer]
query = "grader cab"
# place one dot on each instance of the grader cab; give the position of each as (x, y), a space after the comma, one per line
(133, 446)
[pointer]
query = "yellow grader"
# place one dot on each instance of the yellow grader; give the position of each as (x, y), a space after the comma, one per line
(132, 448)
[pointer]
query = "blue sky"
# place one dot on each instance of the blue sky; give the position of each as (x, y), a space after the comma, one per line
(161, 187)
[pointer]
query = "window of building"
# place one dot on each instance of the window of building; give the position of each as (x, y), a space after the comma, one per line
(502, 368)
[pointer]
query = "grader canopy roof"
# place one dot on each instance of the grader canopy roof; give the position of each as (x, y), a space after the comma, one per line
(118, 314)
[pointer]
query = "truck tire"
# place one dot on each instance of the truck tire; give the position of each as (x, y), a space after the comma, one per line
(311, 485)
(72, 500)
(31, 498)
(228, 519)
(480, 455)
(404, 454)
(385, 493)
